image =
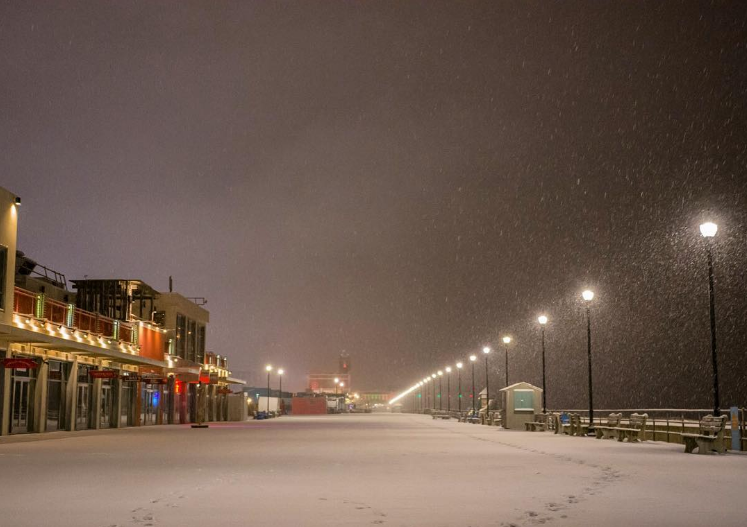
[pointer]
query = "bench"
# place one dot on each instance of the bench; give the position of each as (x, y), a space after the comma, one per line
(634, 431)
(441, 415)
(710, 437)
(608, 429)
(573, 427)
(540, 424)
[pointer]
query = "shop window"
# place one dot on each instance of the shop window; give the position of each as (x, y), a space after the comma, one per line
(181, 335)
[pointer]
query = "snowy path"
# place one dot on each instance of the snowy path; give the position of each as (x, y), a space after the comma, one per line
(391, 470)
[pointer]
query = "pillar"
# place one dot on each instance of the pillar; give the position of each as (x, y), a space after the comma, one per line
(116, 403)
(40, 398)
(95, 418)
(5, 395)
(171, 399)
(71, 396)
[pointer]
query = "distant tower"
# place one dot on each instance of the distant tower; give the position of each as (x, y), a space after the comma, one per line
(344, 366)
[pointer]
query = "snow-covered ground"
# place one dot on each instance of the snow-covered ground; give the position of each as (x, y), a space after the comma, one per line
(375, 469)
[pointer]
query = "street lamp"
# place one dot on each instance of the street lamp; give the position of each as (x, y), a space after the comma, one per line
(506, 342)
(280, 387)
(472, 359)
(433, 376)
(268, 369)
(448, 389)
(440, 390)
(459, 366)
(486, 351)
(708, 230)
(588, 296)
(542, 319)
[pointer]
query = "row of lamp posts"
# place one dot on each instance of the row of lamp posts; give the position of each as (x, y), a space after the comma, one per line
(280, 373)
(708, 231)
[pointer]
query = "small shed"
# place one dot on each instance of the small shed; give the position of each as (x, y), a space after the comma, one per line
(520, 402)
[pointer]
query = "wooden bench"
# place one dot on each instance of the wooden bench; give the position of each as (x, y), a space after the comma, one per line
(570, 428)
(710, 437)
(607, 430)
(634, 431)
(441, 415)
(540, 423)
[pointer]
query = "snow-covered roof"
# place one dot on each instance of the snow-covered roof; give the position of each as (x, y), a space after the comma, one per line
(520, 385)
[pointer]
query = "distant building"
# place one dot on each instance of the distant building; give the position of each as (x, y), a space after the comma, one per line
(325, 382)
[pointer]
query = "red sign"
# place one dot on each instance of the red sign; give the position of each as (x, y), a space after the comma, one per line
(103, 374)
(19, 364)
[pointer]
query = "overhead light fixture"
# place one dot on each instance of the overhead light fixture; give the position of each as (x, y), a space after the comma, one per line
(18, 201)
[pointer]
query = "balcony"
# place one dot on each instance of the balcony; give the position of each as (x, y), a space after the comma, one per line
(37, 306)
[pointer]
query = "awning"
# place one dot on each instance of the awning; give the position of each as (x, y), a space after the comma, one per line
(11, 334)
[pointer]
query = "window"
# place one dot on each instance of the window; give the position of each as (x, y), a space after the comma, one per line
(524, 400)
(3, 270)
(181, 335)
(201, 344)
(191, 340)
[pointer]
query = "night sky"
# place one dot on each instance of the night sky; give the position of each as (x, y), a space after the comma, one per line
(406, 181)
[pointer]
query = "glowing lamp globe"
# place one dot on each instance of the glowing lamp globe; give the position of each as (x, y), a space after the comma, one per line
(448, 369)
(473, 358)
(459, 365)
(542, 319)
(708, 230)
(486, 350)
(588, 295)
(507, 340)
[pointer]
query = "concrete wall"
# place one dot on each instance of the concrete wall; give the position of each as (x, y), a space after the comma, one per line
(8, 236)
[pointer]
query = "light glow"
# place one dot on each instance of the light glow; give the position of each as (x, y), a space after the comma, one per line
(542, 319)
(459, 365)
(473, 358)
(708, 229)
(486, 350)
(268, 368)
(507, 340)
(448, 369)
(588, 295)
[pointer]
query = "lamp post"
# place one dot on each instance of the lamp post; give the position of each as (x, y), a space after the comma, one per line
(542, 319)
(337, 381)
(708, 230)
(459, 366)
(588, 296)
(472, 359)
(280, 389)
(268, 368)
(506, 342)
(440, 390)
(433, 378)
(486, 351)
(421, 396)
(448, 388)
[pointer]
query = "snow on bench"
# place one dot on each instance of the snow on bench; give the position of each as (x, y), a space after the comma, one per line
(635, 431)
(440, 415)
(710, 438)
(574, 426)
(607, 430)
(540, 423)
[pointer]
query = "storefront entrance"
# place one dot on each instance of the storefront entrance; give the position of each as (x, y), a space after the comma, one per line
(106, 404)
(20, 402)
(81, 410)
(55, 396)
(150, 407)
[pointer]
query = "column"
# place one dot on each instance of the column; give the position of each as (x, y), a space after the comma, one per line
(5, 395)
(96, 404)
(172, 398)
(40, 397)
(116, 403)
(71, 396)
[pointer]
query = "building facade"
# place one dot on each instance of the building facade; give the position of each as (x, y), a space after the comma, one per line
(100, 357)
